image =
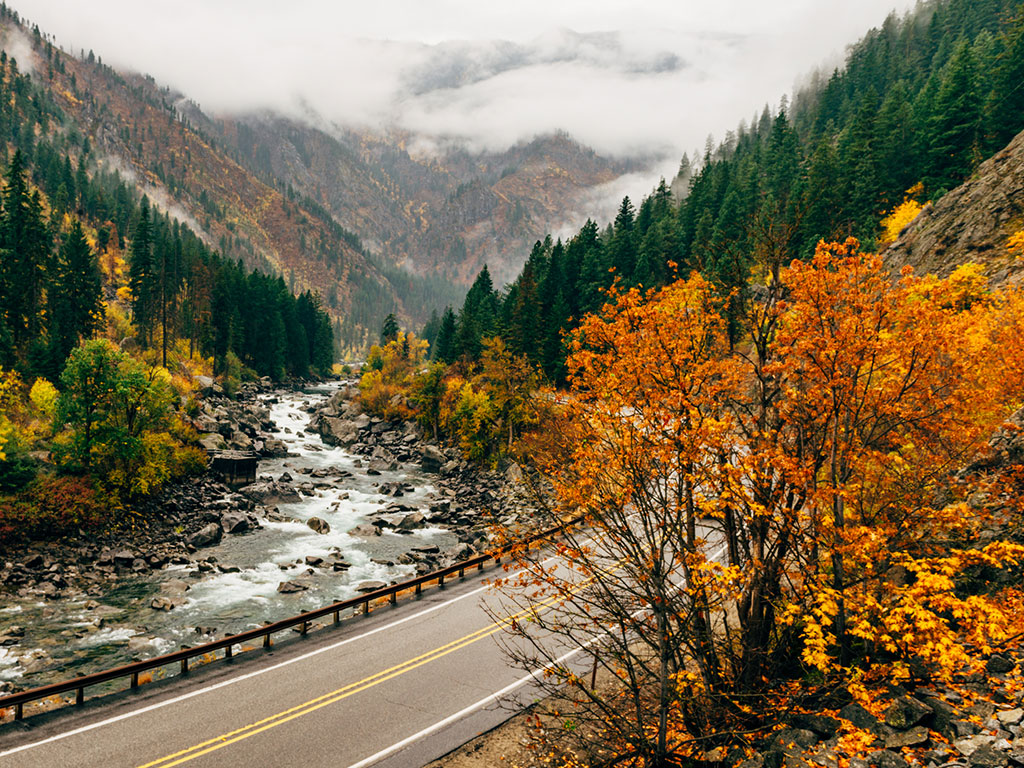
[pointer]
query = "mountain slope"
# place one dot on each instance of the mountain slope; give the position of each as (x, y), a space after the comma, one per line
(353, 216)
(449, 213)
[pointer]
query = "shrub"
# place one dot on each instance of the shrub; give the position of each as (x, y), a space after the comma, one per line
(52, 507)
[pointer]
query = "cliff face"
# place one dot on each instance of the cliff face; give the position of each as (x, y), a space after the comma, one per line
(970, 223)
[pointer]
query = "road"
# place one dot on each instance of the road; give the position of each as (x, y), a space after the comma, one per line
(397, 688)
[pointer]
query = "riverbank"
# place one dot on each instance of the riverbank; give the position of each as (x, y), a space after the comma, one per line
(322, 522)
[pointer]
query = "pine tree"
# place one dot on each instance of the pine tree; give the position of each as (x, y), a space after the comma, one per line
(389, 331)
(443, 350)
(74, 298)
(479, 317)
(25, 243)
(142, 275)
(954, 123)
(622, 248)
(1006, 105)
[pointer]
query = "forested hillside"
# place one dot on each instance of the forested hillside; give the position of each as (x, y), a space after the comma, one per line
(350, 215)
(132, 131)
(110, 312)
(152, 267)
(919, 103)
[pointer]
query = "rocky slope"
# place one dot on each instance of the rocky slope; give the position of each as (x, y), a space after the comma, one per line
(970, 223)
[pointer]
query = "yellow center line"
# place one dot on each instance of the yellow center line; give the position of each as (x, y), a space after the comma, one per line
(312, 705)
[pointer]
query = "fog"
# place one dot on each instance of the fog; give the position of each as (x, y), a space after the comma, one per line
(651, 80)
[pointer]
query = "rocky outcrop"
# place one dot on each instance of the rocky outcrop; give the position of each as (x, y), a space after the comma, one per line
(970, 223)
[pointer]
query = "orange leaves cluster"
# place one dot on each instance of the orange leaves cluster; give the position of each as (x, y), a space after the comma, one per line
(808, 475)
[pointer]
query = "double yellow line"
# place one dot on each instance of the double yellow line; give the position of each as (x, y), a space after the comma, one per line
(312, 705)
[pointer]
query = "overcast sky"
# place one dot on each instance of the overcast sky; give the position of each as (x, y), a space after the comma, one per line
(654, 77)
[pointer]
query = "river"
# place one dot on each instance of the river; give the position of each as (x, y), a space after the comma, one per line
(64, 638)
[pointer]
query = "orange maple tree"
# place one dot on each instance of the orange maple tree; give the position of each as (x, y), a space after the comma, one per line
(798, 495)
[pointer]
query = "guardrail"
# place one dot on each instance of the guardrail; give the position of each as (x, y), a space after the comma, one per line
(227, 644)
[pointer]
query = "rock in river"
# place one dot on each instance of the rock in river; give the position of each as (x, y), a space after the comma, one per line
(431, 459)
(319, 525)
(270, 494)
(206, 536)
(287, 587)
(370, 586)
(233, 521)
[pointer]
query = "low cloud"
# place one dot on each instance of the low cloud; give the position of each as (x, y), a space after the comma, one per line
(651, 80)
(17, 45)
(158, 197)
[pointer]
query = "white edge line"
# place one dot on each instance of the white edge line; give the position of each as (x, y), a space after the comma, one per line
(471, 708)
(240, 678)
(399, 745)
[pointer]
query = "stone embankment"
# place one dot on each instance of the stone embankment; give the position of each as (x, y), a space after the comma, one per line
(974, 724)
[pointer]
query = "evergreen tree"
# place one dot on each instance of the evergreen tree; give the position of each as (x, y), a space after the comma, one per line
(74, 299)
(479, 317)
(954, 121)
(443, 350)
(622, 248)
(25, 244)
(389, 331)
(1005, 106)
(142, 276)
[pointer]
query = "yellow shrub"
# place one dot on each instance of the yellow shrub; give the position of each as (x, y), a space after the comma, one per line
(1016, 242)
(900, 217)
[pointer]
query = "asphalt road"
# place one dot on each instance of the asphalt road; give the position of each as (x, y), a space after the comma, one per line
(397, 688)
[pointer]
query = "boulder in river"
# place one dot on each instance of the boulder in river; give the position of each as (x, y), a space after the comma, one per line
(370, 586)
(233, 521)
(411, 522)
(165, 603)
(319, 525)
(206, 536)
(335, 431)
(431, 459)
(365, 530)
(288, 587)
(274, 449)
(270, 493)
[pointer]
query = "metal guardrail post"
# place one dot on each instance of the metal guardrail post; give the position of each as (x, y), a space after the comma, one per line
(266, 640)
(227, 652)
(135, 679)
(184, 666)
(80, 696)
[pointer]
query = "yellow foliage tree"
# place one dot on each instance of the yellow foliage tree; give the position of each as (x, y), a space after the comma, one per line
(388, 375)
